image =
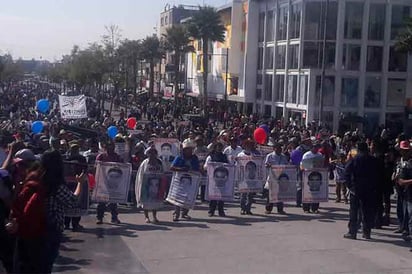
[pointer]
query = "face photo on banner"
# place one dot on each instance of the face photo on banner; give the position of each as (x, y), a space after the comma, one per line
(183, 189)
(250, 173)
(168, 148)
(282, 184)
(154, 187)
(112, 182)
(221, 182)
(315, 185)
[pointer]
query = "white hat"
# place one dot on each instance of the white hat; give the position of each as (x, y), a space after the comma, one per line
(188, 144)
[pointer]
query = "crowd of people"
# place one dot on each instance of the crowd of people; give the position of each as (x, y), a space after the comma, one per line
(34, 195)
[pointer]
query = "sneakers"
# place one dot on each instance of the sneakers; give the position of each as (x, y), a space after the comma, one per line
(99, 222)
(350, 236)
(175, 219)
(243, 212)
(147, 220)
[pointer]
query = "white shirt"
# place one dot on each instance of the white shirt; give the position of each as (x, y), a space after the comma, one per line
(231, 153)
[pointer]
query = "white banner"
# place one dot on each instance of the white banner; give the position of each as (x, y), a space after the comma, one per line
(221, 182)
(73, 107)
(282, 183)
(112, 182)
(315, 187)
(153, 190)
(250, 173)
(183, 189)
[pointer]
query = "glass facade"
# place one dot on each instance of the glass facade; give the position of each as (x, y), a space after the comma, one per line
(281, 57)
(396, 92)
(353, 20)
(293, 57)
(398, 61)
(328, 90)
(349, 92)
(280, 87)
(376, 21)
(373, 92)
(270, 27)
(351, 57)
(282, 23)
(268, 87)
(295, 16)
(269, 58)
(292, 88)
(399, 15)
(374, 59)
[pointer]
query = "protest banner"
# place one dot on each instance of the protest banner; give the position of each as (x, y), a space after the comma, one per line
(167, 149)
(71, 169)
(183, 189)
(264, 150)
(122, 149)
(221, 182)
(315, 187)
(282, 183)
(250, 173)
(73, 107)
(152, 191)
(112, 182)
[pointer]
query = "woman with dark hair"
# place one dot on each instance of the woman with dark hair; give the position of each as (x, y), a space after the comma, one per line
(59, 198)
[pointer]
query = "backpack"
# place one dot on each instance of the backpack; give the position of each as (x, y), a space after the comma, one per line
(30, 210)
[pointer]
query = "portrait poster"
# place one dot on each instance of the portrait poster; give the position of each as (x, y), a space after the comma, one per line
(112, 182)
(183, 189)
(315, 185)
(153, 191)
(221, 182)
(250, 173)
(73, 107)
(282, 183)
(167, 149)
(71, 169)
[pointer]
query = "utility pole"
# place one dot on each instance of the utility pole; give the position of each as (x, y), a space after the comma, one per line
(226, 84)
(322, 77)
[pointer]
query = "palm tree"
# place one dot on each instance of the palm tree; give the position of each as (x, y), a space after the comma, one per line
(206, 26)
(176, 41)
(404, 40)
(151, 52)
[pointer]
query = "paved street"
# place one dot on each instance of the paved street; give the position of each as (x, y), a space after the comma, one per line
(296, 243)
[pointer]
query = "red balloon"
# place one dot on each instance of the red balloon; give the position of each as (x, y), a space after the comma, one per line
(131, 122)
(260, 136)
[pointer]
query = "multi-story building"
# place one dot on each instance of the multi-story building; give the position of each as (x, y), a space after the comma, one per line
(364, 76)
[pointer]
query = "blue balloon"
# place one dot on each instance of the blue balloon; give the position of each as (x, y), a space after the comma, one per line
(43, 105)
(112, 131)
(266, 128)
(37, 127)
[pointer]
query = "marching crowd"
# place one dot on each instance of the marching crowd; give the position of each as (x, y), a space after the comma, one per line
(34, 195)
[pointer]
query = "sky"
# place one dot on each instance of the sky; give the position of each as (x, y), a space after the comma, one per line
(47, 29)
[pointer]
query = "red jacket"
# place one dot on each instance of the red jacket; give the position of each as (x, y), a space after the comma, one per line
(30, 209)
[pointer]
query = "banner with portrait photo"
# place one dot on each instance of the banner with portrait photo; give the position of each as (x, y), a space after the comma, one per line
(250, 173)
(73, 107)
(167, 149)
(315, 185)
(221, 182)
(112, 182)
(71, 169)
(183, 189)
(282, 183)
(152, 191)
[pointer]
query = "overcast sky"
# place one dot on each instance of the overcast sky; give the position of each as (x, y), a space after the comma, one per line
(50, 28)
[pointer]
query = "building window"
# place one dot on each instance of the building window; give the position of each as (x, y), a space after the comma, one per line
(162, 21)
(292, 89)
(260, 59)
(259, 79)
(281, 57)
(374, 59)
(293, 57)
(270, 26)
(396, 92)
(283, 23)
(303, 90)
(295, 15)
(268, 87)
(376, 21)
(398, 61)
(269, 57)
(353, 20)
(268, 111)
(258, 94)
(327, 118)
(261, 35)
(166, 20)
(372, 92)
(313, 54)
(280, 87)
(371, 123)
(351, 57)
(328, 90)
(349, 93)
(314, 16)
(399, 15)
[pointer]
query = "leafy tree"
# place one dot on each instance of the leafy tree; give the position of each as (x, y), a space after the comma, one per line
(177, 41)
(206, 26)
(404, 40)
(151, 52)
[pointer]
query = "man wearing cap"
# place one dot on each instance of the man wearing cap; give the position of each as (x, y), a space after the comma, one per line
(185, 162)
(404, 181)
(362, 175)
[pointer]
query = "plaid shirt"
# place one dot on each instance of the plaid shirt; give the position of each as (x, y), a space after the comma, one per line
(58, 202)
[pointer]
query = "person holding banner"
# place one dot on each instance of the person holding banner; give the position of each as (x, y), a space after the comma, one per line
(274, 158)
(152, 164)
(185, 162)
(216, 156)
(233, 150)
(108, 156)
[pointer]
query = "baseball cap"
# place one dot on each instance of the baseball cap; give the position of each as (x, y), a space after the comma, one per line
(24, 155)
(405, 145)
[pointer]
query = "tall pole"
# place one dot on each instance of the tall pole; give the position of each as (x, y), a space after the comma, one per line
(226, 84)
(322, 77)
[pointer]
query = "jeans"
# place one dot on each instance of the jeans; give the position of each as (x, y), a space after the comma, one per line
(299, 197)
(213, 204)
(246, 200)
(101, 208)
(54, 238)
(407, 210)
(400, 211)
(367, 206)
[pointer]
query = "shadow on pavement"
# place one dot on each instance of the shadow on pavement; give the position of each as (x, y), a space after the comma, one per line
(69, 264)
